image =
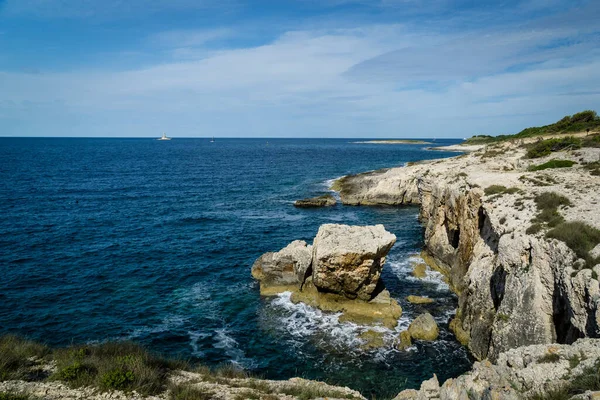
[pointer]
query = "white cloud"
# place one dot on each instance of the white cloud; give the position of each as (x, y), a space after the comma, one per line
(386, 81)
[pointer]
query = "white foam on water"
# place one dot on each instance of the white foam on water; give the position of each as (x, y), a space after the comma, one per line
(195, 337)
(403, 270)
(302, 322)
(169, 323)
(224, 341)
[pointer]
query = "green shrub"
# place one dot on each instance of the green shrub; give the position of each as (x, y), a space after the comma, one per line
(594, 168)
(534, 228)
(499, 189)
(544, 147)
(552, 164)
(551, 201)
(17, 356)
(117, 379)
(120, 365)
(579, 237)
(13, 396)
(549, 358)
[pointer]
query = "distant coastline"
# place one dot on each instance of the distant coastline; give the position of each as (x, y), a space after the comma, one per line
(395, 141)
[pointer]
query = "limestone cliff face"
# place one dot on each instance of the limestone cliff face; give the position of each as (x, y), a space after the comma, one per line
(514, 289)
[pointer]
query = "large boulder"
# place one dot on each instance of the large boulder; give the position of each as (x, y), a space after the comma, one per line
(348, 259)
(285, 268)
(424, 327)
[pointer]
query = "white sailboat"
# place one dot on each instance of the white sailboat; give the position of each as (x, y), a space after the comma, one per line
(164, 137)
(212, 140)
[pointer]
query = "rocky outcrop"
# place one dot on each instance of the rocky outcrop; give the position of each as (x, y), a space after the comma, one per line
(196, 385)
(283, 269)
(348, 260)
(515, 288)
(326, 200)
(424, 327)
(523, 373)
(340, 272)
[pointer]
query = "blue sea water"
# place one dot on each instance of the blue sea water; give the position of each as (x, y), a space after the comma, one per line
(150, 241)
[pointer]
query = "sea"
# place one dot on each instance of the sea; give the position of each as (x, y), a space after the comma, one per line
(153, 241)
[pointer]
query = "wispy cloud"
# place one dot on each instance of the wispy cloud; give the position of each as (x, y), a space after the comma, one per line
(386, 80)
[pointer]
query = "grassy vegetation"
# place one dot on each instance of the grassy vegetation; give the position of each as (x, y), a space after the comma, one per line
(549, 358)
(547, 204)
(17, 356)
(534, 228)
(499, 189)
(579, 122)
(113, 366)
(588, 380)
(580, 237)
(542, 148)
(552, 164)
(14, 396)
(594, 168)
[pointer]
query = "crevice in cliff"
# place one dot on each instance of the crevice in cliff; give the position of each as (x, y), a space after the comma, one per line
(497, 284)
(486, 231)
(561, 315)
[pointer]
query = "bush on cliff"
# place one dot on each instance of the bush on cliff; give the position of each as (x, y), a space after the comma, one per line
(552, 164)
(120, 366)
(543, 148)
(580, 237)
(17, 356)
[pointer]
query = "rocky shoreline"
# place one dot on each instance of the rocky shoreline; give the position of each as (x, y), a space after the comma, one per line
(529, 305)
(490, 224)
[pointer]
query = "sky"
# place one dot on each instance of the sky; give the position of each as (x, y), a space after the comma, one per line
(295, 68)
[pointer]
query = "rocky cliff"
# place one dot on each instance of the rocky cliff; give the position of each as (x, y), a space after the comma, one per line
(516, 287)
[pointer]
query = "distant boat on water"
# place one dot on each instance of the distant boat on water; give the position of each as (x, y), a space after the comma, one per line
(164, 137)
(212, 140)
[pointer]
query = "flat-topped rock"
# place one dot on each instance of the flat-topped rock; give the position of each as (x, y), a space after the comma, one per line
(348, 259)
(326, 200)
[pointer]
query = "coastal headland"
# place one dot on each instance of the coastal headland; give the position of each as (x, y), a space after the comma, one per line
(513, 224)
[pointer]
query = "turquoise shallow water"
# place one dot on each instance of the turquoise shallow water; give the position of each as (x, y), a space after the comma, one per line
(104, 239)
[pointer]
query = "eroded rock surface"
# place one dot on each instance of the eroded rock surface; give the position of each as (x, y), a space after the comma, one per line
(520, 373)
(515, 288)
(424, 327)
(348, 260)
(286, 268)
(340, 272)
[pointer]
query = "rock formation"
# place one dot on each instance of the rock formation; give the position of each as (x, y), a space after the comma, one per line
(523, 373)
(326, 200)
(286, 268)
(515, 288)
(348, 260)
(340, 273)
(424, 327)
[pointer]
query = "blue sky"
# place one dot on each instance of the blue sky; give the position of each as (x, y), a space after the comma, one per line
(301, 68)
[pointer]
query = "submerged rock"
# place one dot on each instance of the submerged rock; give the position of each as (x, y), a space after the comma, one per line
(419, 300)
(283, 270)
(326, 200)
(424, 327)
(348, 259)
(419, 270)
(403, 341)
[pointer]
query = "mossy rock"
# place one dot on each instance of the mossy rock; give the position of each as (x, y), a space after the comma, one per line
(403, 341)
(424, 327)
(419, 300)
(419, 270)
